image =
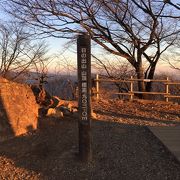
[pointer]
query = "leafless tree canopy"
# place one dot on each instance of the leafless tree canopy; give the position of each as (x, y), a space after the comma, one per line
(173, 57)
(137, 30)
(175, 5)
(18, 52)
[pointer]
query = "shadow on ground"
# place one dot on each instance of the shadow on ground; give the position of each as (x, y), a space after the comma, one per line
(119, 152)
(142, 119)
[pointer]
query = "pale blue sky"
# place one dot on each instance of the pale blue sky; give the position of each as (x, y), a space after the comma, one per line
(56, 45)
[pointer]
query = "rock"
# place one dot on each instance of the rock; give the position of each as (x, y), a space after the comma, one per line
(51, 111)
(93, 115)
(43, 98)
(18, 109)
(66, 111)
(55, 112)
(74, 109)
(52, 105)
(57, 102)
(42, 112)
(72, 105)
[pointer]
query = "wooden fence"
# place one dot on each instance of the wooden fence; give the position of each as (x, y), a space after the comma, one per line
(132, 92)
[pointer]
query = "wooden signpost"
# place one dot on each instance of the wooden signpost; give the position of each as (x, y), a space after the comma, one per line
(84, 104)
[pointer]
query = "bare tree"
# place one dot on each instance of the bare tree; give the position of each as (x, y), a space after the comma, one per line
(174, 4)
(114, 68)
(173, 57)
(136, 30)
(174, 62)
(18, 52)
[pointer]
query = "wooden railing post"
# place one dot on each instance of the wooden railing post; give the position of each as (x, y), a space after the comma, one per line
(167, 89)
(97, 87)
(131, 89)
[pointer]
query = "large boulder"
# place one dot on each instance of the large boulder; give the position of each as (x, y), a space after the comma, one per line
(18, 109)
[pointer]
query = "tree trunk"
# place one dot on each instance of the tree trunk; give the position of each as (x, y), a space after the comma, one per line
(150, 76)
(141, 85)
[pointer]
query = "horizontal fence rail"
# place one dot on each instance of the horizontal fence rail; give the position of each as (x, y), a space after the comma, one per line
(132, 92)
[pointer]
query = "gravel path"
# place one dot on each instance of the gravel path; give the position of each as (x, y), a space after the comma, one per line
(121, 150)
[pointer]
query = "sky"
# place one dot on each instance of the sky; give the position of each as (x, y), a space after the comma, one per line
(57, 46)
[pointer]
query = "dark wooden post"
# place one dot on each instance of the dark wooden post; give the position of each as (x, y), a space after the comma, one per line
(84, 102)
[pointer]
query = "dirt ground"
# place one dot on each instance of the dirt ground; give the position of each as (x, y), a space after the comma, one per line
(123, 147)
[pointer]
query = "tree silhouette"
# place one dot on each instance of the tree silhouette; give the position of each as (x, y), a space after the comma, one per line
(136, 30)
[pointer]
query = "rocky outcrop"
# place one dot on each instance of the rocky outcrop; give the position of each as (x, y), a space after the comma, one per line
(18, 109)
(52, 105)
(45, 100)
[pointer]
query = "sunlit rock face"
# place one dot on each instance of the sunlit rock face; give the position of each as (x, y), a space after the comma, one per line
(18, 109)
